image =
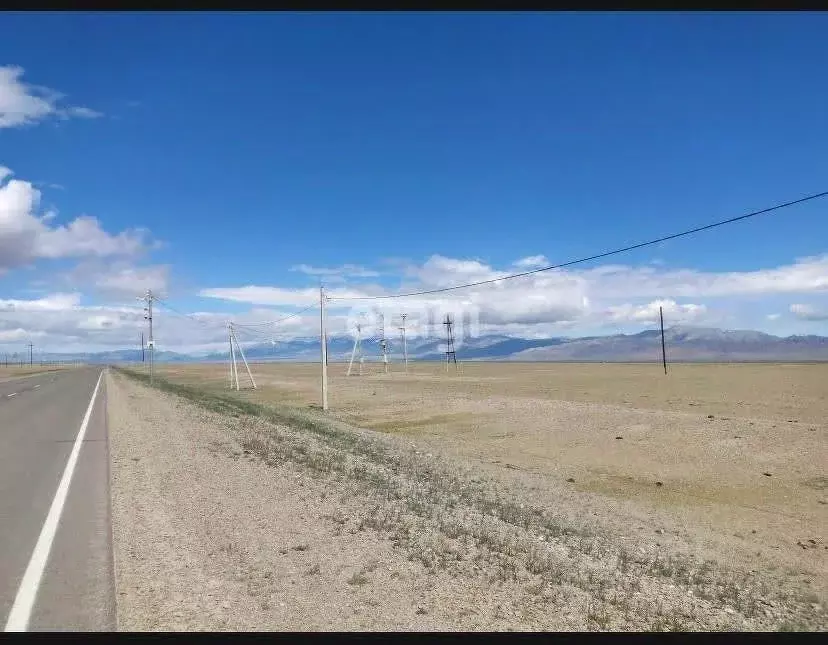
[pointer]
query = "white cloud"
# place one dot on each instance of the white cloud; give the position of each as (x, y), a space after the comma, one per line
(808, 312)
(440, 272)
(649, 313)
(263, 295)
(18, 335)
(547, 304)
(532, 262)
(24, 104)
(337, 273)
(25, 236)
(60, 323)
(53, 302)
(83, 236)
(129, 280)
(773, 316)
(612, 296)
(82, 112)
(277, 296)
(805, 275)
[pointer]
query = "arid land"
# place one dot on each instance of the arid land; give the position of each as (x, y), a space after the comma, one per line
(623, 498)
(8, 373)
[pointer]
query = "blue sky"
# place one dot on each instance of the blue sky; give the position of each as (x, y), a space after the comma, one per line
(428, 148)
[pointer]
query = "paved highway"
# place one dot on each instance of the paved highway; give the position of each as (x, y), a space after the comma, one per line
(56, 569)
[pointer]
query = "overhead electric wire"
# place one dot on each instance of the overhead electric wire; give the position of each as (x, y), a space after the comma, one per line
(246, 326)
(167, 305)
(254, 332)
(249, 326)
(597, 256)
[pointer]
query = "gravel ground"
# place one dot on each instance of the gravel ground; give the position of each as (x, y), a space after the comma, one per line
(228, 517)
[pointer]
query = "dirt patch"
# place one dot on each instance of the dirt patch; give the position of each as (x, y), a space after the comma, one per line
(256, 519)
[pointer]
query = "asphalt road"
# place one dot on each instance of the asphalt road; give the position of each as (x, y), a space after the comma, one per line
(70, 575)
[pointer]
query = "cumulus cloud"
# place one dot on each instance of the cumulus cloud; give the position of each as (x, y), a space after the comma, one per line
(439, 272)
(129, 280)
(805, 275)
(608, 296)
(59, 322)
(53, 302)
(560, 302)
(808, 312)
(26, 236)
(24, 104)
(19, 335)
(649, 313)
(550, 289)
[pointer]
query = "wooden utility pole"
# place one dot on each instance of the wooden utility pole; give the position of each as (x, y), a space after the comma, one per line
(663, 350)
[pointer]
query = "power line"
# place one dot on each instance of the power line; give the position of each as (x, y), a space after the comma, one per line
(249, 326)
(252, 332)
(167, 305)
(597, 256)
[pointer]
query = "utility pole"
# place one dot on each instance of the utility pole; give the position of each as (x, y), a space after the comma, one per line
(405, 347)
(383, 343)
(148, 317)
(357, 348)
(30, 354)
(663, 350)
(234, 338)
(323, 341)
(230, 358)
(142, 347)
(234, 370)
(450, 355)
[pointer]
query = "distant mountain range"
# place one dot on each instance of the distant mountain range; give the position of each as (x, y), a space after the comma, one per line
(683, 344)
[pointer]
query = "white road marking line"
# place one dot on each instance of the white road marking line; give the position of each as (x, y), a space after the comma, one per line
(12, 394)
(21, 610)
(36, 386)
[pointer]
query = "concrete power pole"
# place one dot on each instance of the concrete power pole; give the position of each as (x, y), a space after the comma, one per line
(30, 354)
(148, 317)
(405, 347)
(323, 341)
(357, 348)
(383, 342)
